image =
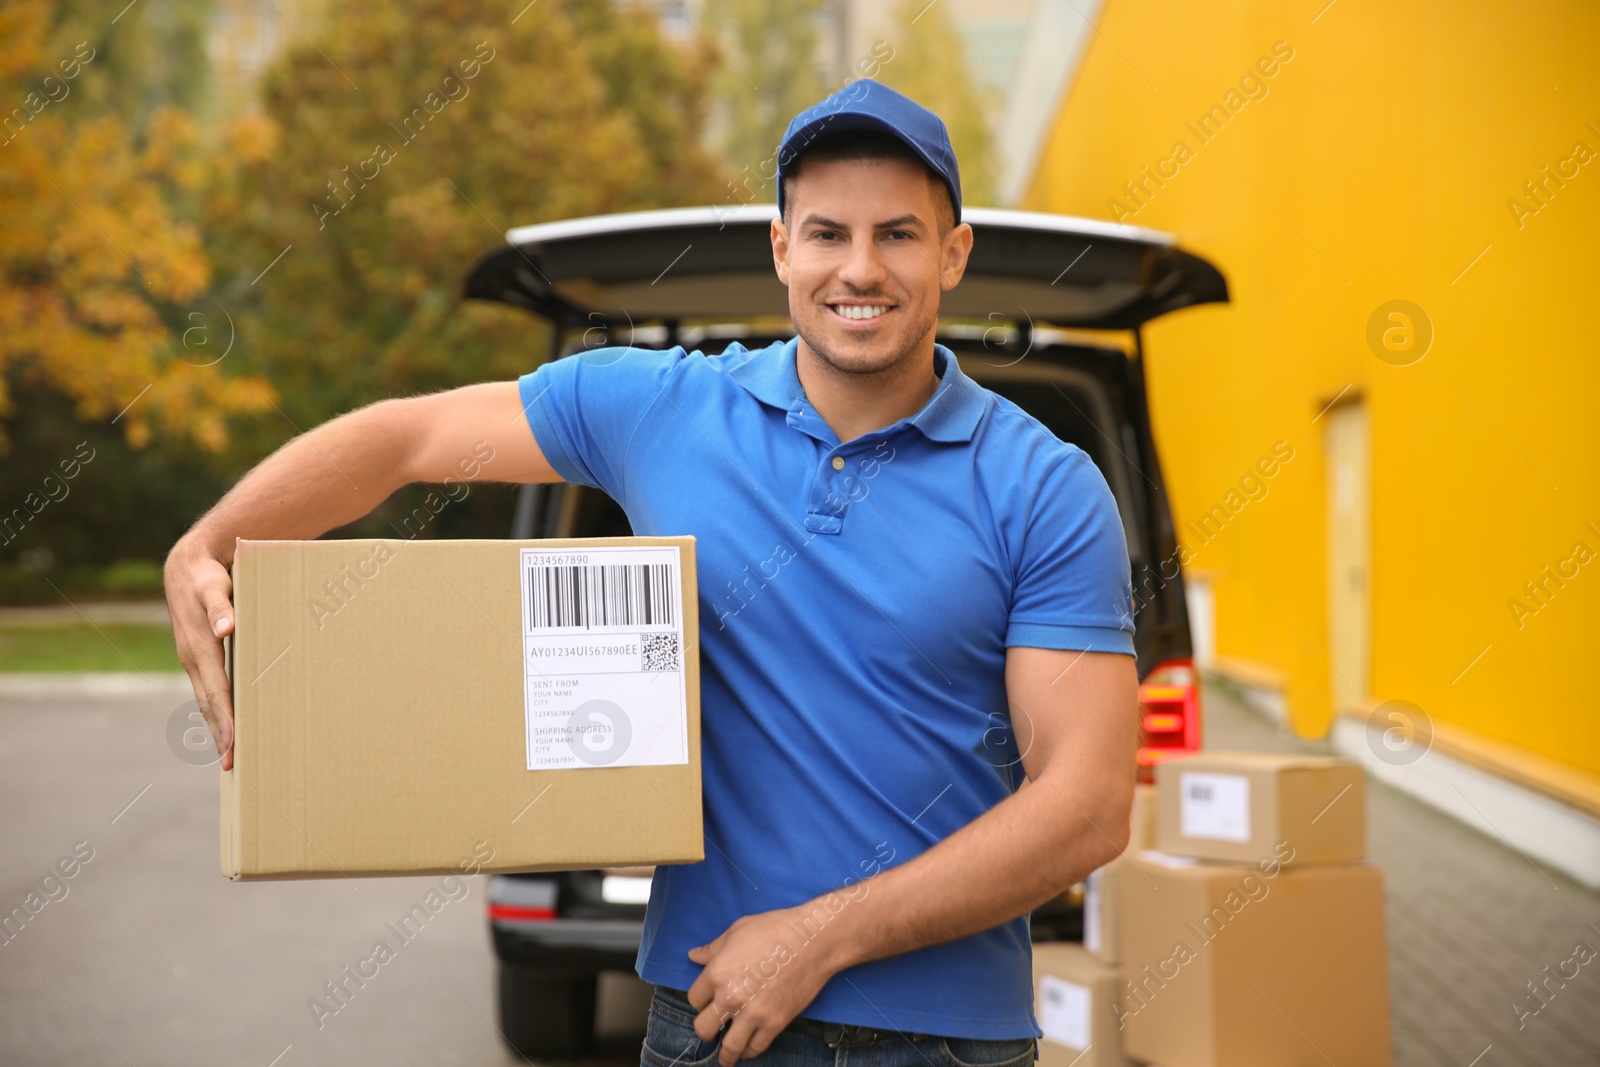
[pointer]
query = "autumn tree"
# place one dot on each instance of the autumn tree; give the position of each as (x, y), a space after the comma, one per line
(94, 261)
(148, 56)
(766, 72)
(320, 241)
(407, 142)
(403, 145)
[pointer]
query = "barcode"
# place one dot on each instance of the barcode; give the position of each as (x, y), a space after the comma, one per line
(610, 594)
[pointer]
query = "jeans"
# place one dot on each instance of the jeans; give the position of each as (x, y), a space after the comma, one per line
(670, 1041)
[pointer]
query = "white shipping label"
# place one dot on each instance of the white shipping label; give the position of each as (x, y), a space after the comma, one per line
(1092, 940)
(1063, 1011)
(1167, 859)
(1214, 806)
(602, 656)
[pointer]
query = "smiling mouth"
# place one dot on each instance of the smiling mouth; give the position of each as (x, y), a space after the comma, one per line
(859, 312)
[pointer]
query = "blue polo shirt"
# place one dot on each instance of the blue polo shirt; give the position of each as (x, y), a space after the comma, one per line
(856, 604)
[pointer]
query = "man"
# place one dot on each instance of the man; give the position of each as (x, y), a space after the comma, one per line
(915, 596)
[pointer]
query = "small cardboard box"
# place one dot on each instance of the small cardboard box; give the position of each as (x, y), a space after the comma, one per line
(1074, 999)
(416, 707)
(1241, 806)
(1101, 904)
(1252, 966)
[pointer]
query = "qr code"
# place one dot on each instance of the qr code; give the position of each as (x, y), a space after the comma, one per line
(660, 651)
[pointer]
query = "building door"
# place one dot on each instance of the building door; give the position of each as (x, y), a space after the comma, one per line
(1349, 566)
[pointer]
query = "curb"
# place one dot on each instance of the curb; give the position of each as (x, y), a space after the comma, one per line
(163, 684)
(124, 613)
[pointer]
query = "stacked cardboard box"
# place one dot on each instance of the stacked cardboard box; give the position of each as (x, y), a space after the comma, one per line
(1253, 935)
(1226, 965)
(1075, 1000)
(1241, 926)
(1237, 807)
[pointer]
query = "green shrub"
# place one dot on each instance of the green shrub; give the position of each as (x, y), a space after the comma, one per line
(132, 577)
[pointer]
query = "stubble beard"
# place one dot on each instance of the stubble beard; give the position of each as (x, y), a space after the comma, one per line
(876, 361)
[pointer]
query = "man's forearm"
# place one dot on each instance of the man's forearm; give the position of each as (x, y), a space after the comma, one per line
(333, 474)
(327, 478)
(1019, 854)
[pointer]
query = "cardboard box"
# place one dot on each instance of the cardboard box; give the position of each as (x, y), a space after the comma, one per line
(1074, 999)
(1101, 905)
(1242, 806)
(416, 707)
(1258, 966)
(1145, 818)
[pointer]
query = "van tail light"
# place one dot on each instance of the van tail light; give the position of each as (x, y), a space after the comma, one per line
(1169, 715)
(522, 900)
(515, 913)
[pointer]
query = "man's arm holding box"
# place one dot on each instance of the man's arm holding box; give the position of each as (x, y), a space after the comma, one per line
(1075, 717)
(323, 479)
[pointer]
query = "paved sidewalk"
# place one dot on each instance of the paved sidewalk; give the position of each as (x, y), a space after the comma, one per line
(1471, 923)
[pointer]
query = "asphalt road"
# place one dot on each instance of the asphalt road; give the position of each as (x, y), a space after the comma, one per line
(147, 955)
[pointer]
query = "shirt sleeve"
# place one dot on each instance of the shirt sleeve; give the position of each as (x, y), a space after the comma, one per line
(1074, 589)
(584, 409)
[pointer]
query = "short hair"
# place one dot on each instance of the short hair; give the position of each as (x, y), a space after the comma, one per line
(850, 145)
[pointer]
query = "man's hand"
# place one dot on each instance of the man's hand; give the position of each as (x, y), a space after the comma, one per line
(762, 972)
(199, 591)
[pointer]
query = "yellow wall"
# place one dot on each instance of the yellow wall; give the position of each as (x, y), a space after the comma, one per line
(1379, 164)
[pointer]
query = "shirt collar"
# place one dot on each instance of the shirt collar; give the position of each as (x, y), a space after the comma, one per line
(951, 414)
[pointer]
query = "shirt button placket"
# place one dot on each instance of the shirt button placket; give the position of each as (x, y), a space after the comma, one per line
(828, 502)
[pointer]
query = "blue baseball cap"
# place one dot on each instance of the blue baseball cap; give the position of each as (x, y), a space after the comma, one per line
(871, 105)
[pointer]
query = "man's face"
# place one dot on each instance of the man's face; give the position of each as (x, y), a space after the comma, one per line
(864, 261)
